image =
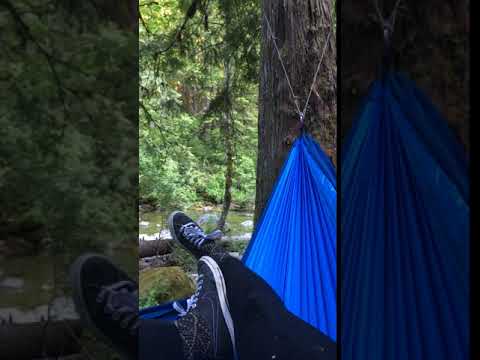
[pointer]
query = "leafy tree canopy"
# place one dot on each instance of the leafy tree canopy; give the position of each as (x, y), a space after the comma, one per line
(68, 122)
(185, 47)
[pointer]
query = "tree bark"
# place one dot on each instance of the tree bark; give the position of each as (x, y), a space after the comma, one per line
(430, 44)
(301, 29)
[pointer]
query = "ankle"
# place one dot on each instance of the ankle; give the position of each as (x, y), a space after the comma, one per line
(216, 251)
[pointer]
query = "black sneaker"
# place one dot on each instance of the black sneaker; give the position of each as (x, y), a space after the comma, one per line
(188, 233)
(206, 327)
(107, 301)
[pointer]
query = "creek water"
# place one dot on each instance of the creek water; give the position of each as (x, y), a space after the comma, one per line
(29, 293)
(153, 225)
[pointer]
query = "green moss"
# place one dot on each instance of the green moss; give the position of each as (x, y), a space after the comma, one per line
(160, 285)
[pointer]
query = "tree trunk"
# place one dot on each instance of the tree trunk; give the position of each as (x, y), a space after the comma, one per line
(430, 44)
(228, 134)
(227, 197)
(301, 29)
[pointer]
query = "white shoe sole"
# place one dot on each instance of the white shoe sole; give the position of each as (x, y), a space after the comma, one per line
(222, 295)
(170, 225)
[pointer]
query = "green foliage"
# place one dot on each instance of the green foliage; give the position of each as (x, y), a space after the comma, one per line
(184, 259)
(158, 290)
(67, 123)
(182, 149)
(236, 246)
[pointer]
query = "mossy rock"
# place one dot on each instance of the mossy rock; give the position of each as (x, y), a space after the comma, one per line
(160, 285)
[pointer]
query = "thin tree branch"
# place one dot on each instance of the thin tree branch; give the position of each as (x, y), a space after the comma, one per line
(144, 23)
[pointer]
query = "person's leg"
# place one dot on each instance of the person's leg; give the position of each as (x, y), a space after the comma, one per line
(254, 305)
(159, 340)
(107, 301)
(206, 328)
(264, 327)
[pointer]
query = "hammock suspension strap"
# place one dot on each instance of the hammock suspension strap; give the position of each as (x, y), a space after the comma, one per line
(301, 113)
(387, 24)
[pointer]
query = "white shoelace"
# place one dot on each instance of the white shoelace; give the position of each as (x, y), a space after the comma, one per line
(193, 233)
(192, 301)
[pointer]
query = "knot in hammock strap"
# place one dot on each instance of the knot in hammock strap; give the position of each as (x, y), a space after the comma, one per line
(302, 118)
(387, 33)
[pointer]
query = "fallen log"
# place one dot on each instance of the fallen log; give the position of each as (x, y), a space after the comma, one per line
(39, 340)
(157, 261)
(154, 247)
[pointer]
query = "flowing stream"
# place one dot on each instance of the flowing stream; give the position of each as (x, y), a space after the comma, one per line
(153, 225)
(29, 294)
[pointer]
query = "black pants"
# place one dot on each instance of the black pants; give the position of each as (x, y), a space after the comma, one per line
(264, 328)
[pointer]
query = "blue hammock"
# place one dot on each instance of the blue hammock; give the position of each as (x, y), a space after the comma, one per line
(164, 311)
(294, 245)
(405, 231)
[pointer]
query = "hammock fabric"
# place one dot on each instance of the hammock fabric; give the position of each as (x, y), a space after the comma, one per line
(405, 231)
(164, 311)
(294, 245)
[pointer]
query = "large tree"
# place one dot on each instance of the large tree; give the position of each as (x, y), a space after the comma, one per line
(301, 29)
